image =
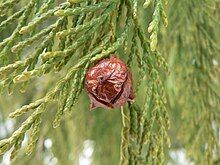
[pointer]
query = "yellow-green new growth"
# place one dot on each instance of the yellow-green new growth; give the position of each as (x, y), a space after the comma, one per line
(155, 23)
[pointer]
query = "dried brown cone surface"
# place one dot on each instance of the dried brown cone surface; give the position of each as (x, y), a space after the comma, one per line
(109, 83)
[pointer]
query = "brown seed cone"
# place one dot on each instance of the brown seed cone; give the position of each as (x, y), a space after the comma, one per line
(109, 83)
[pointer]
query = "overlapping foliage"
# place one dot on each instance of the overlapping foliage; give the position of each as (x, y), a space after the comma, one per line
(83, 32)
(198, 97)
(45, 40)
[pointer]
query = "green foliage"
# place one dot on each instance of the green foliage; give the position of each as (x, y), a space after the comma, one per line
(89, 28)
(195, 47)
(45, 40)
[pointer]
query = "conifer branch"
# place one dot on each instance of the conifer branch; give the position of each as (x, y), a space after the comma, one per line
(199, 114)
(92, 30)
(158, 15)
(125, 136)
